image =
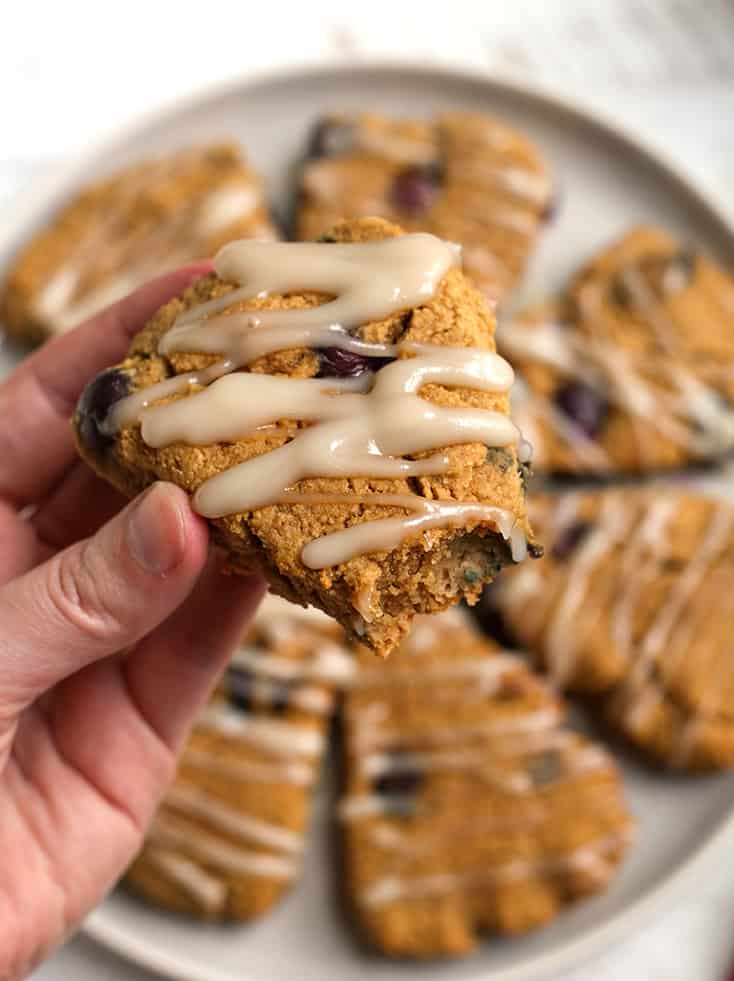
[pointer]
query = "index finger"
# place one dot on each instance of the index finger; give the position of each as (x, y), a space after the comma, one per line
(36, 444)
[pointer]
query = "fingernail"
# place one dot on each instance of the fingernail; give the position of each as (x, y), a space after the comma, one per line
(156, 530)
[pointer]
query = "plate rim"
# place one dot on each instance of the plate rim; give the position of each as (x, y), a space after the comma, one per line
(29, 204)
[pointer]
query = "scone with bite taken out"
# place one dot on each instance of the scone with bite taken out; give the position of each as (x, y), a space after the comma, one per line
(338, 412)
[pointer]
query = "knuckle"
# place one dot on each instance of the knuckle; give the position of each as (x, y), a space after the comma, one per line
(80, 597)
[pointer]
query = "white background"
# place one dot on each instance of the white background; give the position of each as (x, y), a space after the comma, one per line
(71, 71)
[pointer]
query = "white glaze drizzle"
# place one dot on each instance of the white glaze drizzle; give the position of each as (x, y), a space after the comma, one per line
(392, 889)
(530, 730)
(196, 802)
(360, 427)
(167, 832)
(271, 735)
(329, 663)
(207, 891)
(212, 761)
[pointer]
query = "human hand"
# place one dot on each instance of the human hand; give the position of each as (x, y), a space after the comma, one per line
(114, 625)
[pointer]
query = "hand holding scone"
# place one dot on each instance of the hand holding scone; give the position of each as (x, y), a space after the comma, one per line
(88, 740)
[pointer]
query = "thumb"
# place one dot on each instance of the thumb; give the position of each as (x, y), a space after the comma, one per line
(100, 595)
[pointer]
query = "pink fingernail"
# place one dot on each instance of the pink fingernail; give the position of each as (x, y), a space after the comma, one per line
(156, 530)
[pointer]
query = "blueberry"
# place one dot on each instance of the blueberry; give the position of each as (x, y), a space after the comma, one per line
(94, 405)
(415, 189)
(280, 696)
(569, 539)
(544, 768)
(401, 778)
(501, 458)
(584, 405)
(240, 685)
(334, 362)
(551, 207)
(330, 138)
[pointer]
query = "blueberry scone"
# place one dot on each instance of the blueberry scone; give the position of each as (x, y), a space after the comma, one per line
(631, 370)
(466, 177)
(125, 229)
(629, 604)
(469, 806)
(339, 414)
(227, 840)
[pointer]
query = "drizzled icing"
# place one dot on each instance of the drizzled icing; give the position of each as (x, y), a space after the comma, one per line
(169, 832)
(271, 735)
(566, 616)
(206, 890)
(589, 857)
(363, 427)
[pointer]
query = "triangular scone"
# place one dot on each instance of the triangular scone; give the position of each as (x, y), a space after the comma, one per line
(632, 370)
(464, 176)
(630, 603)
(228, 837)
(376, 590)
(121, 231)
(468, 805)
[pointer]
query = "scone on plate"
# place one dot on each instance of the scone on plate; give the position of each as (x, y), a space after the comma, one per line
(340, 416)
(228, 837)
(632, 369)
(469, 806)
(127, 228)
(466, 177)
(630, 604)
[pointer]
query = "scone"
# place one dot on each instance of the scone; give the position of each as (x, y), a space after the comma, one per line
(630, 604)
(466, 177)
(632, 370)
(227, 840)
(469, 806)
(358, 450)
(116, 234)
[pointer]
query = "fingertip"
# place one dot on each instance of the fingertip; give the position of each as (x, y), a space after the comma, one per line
(164, 535)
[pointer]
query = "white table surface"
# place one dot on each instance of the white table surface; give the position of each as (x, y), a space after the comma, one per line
(71, 71)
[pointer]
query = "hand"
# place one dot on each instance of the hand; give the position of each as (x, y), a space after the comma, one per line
(114, 625)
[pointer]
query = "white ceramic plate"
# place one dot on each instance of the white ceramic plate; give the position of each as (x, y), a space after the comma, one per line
(608, 181)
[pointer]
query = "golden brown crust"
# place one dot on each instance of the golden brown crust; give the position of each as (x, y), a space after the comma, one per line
(373, 596)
